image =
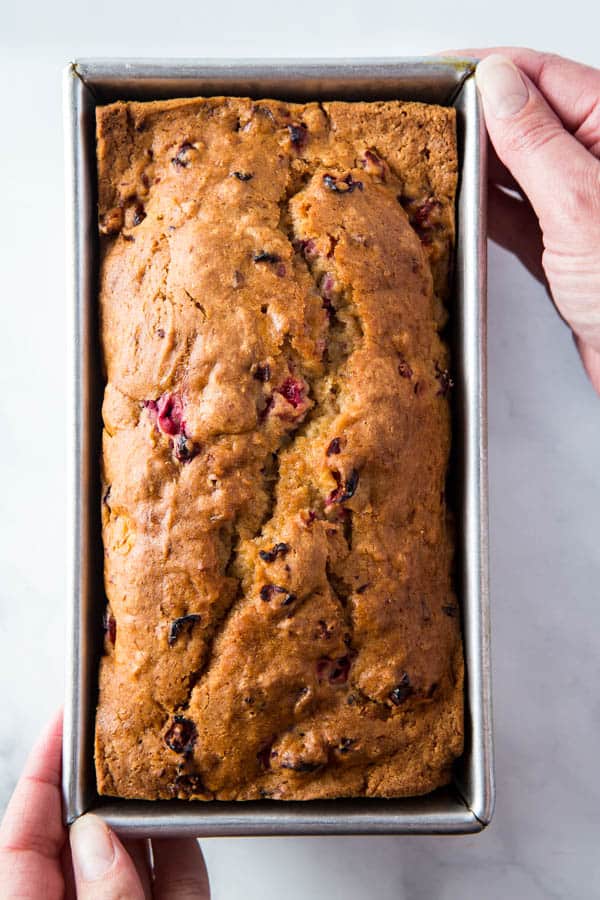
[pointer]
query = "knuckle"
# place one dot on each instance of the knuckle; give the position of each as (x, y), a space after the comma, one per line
(546, 62)
(588, 132)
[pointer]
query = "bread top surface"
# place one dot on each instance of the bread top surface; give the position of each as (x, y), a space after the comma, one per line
(277, 553)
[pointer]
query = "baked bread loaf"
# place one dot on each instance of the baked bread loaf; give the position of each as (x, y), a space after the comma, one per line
(281, 621)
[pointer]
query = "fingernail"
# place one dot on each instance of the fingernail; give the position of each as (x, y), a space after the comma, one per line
(503, 90)
(92, 847)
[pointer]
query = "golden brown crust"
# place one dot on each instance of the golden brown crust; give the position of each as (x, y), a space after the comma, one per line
(281, 620)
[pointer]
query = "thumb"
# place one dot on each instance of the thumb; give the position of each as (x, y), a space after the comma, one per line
(103, 869)
(558, 175)
(560, 178)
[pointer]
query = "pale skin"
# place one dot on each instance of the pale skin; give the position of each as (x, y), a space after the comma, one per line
(40, 859)
(543, 120)
(546, 146)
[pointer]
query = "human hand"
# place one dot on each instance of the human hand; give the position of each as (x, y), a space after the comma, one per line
(36, 860)
(543, 118)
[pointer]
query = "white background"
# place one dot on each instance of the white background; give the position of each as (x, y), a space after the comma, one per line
(544, 459)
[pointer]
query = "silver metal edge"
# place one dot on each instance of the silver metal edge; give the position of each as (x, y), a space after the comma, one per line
(97, 68)
(480, 795)
(133, 818)
(137, 823)
(71, 731)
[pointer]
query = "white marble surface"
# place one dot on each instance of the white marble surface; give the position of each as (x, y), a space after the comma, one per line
(544, 461)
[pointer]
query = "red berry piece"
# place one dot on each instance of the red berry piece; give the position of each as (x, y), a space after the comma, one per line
(293, 391)
(181, 736)
(327, 286)
(169, 409)
(423, 213)
(152, 407)
(308, 248)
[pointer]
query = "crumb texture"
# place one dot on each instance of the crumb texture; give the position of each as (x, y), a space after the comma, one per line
(280, 617)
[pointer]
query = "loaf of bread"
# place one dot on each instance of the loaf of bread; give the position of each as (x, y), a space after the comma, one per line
(281, 621)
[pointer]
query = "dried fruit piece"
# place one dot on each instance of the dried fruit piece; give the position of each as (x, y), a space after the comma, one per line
(110, 626)
(450, 610)
(402, 691)
(307, 247)
(422, 216)
(271, 555)
(342, 185)
(264, 256)
(183, 623)
(189, 785)
(404, 370)
(374, 165)
(262, 372)
(327, 286)
(345, 491)
(300, 765)
(335, 671)
(446, 382)
(268, 591)
(298, 135)
(182, 735)
(242, 176)
(181, 158)
(334, 447)
(139, 214)
(185, 449)
(112, 221)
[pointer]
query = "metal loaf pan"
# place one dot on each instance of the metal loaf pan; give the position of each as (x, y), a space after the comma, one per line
(466, 805)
